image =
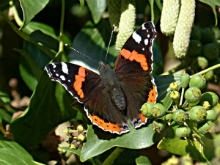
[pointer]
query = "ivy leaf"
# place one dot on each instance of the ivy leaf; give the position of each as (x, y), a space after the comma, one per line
(97, 7)
(143, 160)
(201, 149)
(212, 4)
(30, 8)
(13, 154)
(82, 3)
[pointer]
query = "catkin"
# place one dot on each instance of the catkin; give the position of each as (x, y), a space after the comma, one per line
(169, 16)
(127, 22)
(114, 10)
(183, 28)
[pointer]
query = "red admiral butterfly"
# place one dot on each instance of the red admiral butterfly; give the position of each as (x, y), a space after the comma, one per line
(114, 98)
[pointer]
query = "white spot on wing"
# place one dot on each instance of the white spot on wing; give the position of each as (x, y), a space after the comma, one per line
(143, 49)
(62, 77)
(64, 68)
(54, 66)
(143, 27)
(146, 41)
(57, 74)
(136, 37)
(148, 35)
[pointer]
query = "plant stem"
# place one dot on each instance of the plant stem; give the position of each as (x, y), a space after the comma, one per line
(110, 159)
(61, 44)
(2, 129)
(181, 98)
(209, 69)
(16, 15)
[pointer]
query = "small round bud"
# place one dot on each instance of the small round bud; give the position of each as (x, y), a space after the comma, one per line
(196, 33)
(209, 75)
(74, 145)
(184, 79)
(199, 63)
(80, 128)
(211, 97)
(195, 48)
(197, 80)
(206, 127)
(81, 137)
(211, 115)
(175, 95)
(159, 125)
(172, 160)
(210, 51)
(179, 116)
(169, 117)
(207, 35)
(197, 114)
(192, 94)
(174, 86)
(183, 132)
(158, 110)
(146, 109)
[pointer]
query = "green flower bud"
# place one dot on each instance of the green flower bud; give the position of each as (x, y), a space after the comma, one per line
(211, 115)
(207, 35)
(206, 105)
(183, 28)
(169, 117)
(196, 33)
(80, 128)
(179, 116)
(146, 109)
(211, 97)
(174, 86)
(206, 127)
(158, 110)
(159, 125)
(209, 75)
(69, 131)
(199, 63)
(184, 79)
(183, 132)
(169, 16)
(195, 48)
(175, 95)
(192, 94)
(197, 80)
(197, 114)
(210, 51)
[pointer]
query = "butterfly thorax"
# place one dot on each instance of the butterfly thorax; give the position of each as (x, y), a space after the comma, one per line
(111, 82)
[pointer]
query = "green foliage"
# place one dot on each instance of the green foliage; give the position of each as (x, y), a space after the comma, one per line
(42, 37)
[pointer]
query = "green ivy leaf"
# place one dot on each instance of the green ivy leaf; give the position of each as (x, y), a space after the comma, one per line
(201, 150)
(143, 160)
(47, 109)
(97, 7)
(212, 4)
(30, 8)
(95, 38)
(135, 139)
(13, 154)
(5, 116)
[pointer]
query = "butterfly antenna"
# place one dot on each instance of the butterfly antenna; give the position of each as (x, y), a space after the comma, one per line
(81, 53)
(109, 42)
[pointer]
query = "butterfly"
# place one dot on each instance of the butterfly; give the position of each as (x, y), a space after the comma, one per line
(113, 98)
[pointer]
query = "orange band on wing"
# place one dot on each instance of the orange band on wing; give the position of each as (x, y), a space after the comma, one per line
(140, 58)
(107, 126)
(79, 79)
(152, 95)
